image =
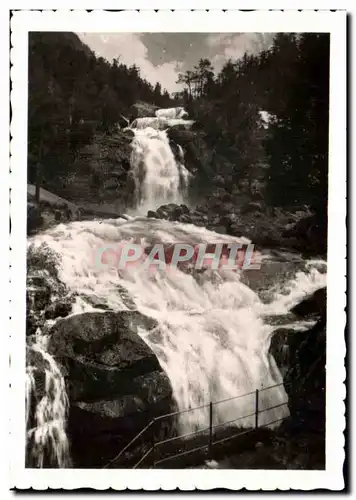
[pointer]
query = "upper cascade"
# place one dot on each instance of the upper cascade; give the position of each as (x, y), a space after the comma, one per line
(159, 177)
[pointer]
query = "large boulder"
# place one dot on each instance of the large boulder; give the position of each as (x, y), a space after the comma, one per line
(313, 305)
(102, 352)
(114, 381)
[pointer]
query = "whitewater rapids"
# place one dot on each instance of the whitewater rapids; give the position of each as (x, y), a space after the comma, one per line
(214, 331)
(213, 340)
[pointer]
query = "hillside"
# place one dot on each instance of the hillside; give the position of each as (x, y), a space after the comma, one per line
(75, 97)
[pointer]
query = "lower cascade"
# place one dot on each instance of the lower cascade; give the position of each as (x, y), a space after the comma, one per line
(47, 442)
(214, 330)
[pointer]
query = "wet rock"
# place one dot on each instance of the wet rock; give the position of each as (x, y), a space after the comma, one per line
(34, 217)
(57, 215)
(306, 377)
(152, 215)
(59, 309)
(46, 296)
(316, 304)
(219, 229)
(102, 352)
(173, 212)
(301, 356)
(114, 380)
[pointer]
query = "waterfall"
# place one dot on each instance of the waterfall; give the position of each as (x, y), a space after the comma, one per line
(47, 443)
(214, 337)
(159, 177)
(214, 332)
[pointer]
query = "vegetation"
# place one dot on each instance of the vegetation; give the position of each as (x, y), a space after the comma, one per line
(74, 95)
(290, 81)
(76, 101)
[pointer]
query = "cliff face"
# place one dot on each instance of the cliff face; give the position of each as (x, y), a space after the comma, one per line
(100, 173)
(302, 355)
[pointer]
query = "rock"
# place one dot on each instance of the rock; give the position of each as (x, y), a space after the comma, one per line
(102, 351)
(114, 381)
(34, 217)
(280, 347)
(253, 206)
(46, 296)
(235, 229)
(38, 298)
(315, 304)
(301, 356)
(57, 215)
(309, 234)
(59, 309)
(228, 221)
(185, 209)
(186, 219)
(219, 229)
(219, 181)
(172, 212)
(305, 379)
(152, 215)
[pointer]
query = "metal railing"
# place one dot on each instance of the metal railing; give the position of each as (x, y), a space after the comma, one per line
(149, 431)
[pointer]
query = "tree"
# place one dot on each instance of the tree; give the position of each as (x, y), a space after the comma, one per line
(189, 78)
(157, 94)
(298, 144)
(203, 77)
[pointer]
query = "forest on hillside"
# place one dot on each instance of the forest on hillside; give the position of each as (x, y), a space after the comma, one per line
(74, 95)
(290, 81)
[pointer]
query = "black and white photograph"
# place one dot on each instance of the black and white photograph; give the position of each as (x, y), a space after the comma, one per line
(177, 250)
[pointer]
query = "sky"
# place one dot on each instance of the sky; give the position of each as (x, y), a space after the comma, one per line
(161, 56)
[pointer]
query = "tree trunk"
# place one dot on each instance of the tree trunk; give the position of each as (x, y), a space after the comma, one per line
(38, 183)
(39, 171)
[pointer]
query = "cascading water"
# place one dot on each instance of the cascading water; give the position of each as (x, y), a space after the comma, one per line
(214, 339)
(214, 333)
(159, 178)
(47, 442)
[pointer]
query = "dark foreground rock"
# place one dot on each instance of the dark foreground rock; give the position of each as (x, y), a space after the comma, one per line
(309, 234)
(313, 305)
(114, 381)
(302, 356)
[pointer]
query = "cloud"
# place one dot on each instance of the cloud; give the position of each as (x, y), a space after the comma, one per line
(130, 49)
(233, 46)
(161, 56)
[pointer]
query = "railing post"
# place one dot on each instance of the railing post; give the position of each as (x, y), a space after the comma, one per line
(153, 444)
(210, 449)
(256, 414)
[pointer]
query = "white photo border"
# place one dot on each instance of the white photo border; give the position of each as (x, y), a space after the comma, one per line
(217, 21)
